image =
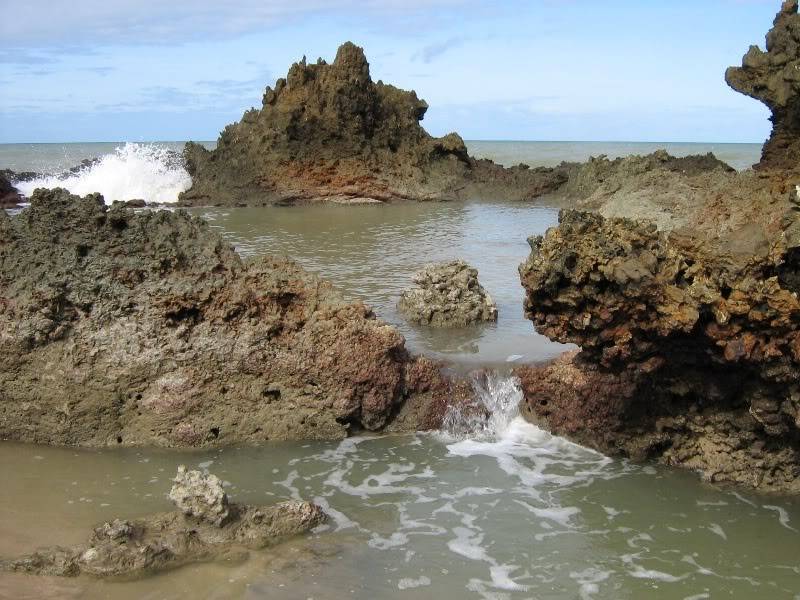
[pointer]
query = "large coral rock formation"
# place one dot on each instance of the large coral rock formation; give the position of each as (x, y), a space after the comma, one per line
(447, 295)
(122, 548)
(146, 328)
(327, 132)
(773, 77)
(686, 313)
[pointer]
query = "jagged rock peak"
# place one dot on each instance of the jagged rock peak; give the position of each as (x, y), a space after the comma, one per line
(351, 58)
(773, 77)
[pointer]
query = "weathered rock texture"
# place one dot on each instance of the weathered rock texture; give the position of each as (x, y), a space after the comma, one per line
(690, 342)
(9, 196)
(327, 132)
(200, 495)
(122, 548)
(147, 329)
(447, 295)
(687, 314)
(773, 77)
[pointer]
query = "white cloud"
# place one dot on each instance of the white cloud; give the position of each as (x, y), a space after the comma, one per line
(97, 22)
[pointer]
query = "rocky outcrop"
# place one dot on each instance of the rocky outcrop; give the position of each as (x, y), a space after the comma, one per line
(9, 196)
(327, 132)
(122, 548)
(145, 328)
(773, 77)
(690, 344)
(682, 293)
(447, 295)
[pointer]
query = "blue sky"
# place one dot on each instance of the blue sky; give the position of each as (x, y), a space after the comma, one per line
(112, 70)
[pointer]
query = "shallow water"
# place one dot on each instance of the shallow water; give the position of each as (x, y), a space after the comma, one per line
(370, 253)
(511, 512)
(497, 510)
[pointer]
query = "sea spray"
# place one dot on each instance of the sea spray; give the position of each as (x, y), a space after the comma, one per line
(496, 405)
(147, 171)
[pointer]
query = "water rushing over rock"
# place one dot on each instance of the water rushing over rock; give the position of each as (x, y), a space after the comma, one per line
(496, 403)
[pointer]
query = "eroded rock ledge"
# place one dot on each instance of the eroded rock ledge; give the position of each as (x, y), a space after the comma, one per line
(688, 355)
(773, 77)
(123, 328)
(205, 526)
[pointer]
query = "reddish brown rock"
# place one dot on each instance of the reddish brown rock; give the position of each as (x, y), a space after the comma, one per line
(329, 133)
(145, 328)
(688, 353)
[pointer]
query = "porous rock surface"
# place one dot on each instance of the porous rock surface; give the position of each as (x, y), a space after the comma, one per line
(200, 495)
(685, 306)
(125, 549)
(145, 328)
(773, 77)
(328, 132)
(447, 295)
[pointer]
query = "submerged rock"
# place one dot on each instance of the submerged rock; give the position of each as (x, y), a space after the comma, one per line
(122, 548)
(328, 132)
(773, 77)
(447, 295)
(145, 328)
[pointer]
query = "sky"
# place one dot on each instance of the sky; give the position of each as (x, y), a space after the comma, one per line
(622, 70)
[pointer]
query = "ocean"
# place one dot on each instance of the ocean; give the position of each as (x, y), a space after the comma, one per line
(150, 171)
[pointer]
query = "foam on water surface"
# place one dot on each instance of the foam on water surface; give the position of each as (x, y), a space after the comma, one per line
(502, 511)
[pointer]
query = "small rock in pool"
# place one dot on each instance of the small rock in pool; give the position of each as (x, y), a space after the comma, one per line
(447, 295)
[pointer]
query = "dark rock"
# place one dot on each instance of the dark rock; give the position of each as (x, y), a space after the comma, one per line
(327, 132)
(665, 322)
(9, 196)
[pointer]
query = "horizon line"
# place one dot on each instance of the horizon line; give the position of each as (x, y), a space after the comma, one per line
(494, 140)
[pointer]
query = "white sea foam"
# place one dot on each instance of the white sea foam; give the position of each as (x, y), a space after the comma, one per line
(134, 171)
(408, 583)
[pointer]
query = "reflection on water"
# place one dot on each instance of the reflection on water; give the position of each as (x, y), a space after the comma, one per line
(371, 252)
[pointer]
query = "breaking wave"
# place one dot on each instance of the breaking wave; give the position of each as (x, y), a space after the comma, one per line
(149, 172)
